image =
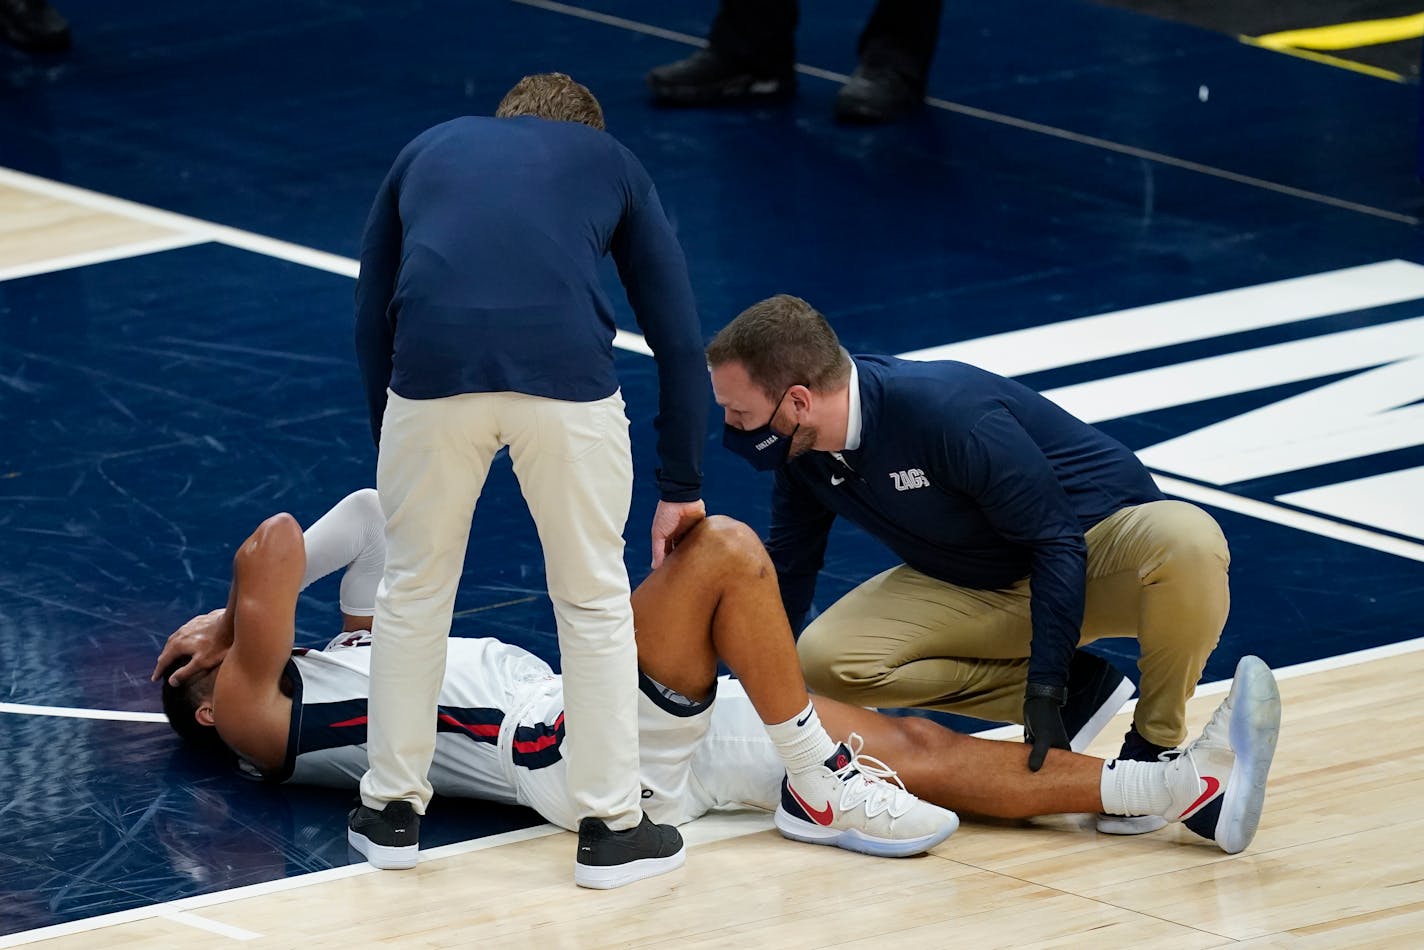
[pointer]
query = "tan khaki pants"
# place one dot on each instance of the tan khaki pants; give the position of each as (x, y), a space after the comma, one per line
(1157, 572)
(575, 468)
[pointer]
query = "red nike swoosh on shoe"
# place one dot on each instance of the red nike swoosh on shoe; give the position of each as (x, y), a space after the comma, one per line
(1212, 787)
(822, 817)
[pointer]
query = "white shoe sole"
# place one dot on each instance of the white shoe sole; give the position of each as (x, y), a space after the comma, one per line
(606, 878)
(1130, 824)
(852, 839)
(1100, 719)
(1255, 727)
(385, 857)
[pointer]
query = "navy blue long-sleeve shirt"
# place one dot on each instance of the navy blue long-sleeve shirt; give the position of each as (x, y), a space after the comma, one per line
(479, 273)
(970, 478)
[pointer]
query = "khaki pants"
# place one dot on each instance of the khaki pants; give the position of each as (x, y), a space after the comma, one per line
(575, 469)
(1157, 572)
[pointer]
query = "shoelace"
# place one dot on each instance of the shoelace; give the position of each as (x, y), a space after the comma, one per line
(880, 789)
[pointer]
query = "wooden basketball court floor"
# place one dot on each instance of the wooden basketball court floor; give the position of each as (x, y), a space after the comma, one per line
(175, 367)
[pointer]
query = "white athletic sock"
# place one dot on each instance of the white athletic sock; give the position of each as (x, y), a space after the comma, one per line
(1135, 788)
(801, 741)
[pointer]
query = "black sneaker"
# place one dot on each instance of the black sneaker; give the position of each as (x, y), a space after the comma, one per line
(1096, 691)
(613, 858)
(880, 90)
(33, 25)
(1137, 749)
(389, 838)
(707, 78)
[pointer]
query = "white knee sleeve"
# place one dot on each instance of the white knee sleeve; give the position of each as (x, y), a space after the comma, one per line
(351, 535)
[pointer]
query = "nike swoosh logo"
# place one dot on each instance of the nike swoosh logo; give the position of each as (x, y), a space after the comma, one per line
(823, 816)
(802, 722)
(1212, 786)
(837, 479)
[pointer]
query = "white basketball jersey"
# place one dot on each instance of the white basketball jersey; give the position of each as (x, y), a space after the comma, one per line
(500, 734)
(486, 685)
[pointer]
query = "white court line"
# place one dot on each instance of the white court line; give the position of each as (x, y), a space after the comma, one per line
(718, 826)
(1185, 320)
(116, 253)
(211, 926)
(1290, 518)
(207, 230)
(1001, 119)
(66, 712)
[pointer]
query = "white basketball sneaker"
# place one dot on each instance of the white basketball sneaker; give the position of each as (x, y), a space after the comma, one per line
(858, 803)
(1218, 782)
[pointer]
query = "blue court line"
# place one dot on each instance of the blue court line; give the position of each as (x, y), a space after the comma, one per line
(1001, 119)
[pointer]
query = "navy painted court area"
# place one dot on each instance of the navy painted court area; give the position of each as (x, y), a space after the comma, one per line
(1080, 161)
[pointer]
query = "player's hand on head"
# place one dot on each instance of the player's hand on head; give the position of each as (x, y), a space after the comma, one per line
(671, 522)
(205, 640)
(1043, 729)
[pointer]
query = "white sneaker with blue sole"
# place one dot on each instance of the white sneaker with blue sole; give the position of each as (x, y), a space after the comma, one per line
(858, 803)
(1218, 783)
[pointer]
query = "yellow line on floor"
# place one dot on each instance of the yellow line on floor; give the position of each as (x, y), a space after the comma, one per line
(1348, 35)
(1326, 59)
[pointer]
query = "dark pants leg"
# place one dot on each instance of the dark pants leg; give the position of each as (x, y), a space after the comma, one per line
(759, 35)
(904, 32)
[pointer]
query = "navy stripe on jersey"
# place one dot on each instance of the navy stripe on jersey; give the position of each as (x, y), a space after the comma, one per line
(668, 699)
(289, 761)
(344, 722)
(329, 725)
(537, 747)
(480, 723)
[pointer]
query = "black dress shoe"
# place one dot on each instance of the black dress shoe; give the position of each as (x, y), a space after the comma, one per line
(878, 92)
(33, 25)
(706, 78)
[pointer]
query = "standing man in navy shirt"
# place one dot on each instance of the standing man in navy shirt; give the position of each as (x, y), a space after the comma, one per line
(1024, 532)
(481, 324)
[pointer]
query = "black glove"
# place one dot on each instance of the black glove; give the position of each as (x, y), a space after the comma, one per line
(1043, 724)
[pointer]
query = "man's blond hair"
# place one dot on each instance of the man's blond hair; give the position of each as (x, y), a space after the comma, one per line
(551, 96)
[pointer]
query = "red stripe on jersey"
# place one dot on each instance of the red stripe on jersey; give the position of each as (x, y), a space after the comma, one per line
(543, 742)
(490, 729)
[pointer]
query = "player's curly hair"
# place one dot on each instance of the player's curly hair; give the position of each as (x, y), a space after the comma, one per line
(180, 705)
(551, 96)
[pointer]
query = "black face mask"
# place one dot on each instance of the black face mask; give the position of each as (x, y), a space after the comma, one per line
(765, 449)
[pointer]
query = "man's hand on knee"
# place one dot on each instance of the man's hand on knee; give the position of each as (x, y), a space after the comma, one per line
(671, 521)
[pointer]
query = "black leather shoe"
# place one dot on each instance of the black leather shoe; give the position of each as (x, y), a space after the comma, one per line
(878, 92)
(33, 25)
(706, 78)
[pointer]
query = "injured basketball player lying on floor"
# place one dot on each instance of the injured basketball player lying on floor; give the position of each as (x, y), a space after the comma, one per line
(833, 774)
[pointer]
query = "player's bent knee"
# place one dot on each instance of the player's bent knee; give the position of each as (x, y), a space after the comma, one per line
(732, 540)
(367, 501)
